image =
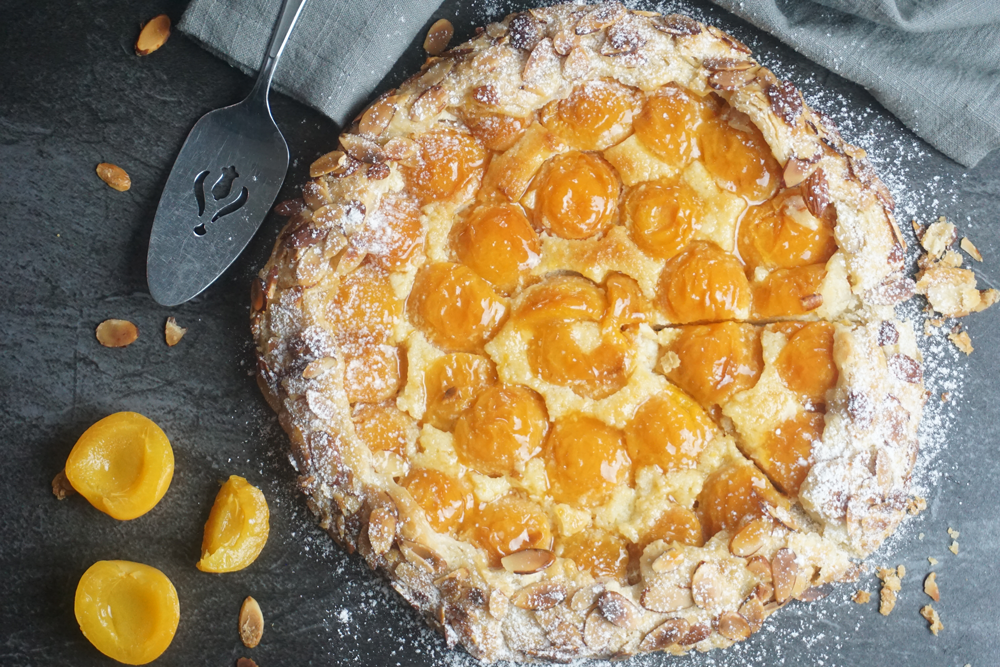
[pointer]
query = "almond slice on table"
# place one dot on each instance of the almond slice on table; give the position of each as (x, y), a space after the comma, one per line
(251, 623)
(153, 35)
(438, 37)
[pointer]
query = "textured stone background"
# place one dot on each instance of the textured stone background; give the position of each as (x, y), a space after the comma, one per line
(72, 94)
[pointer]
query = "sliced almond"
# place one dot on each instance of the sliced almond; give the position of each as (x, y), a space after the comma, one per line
(114, 176)
(708, 585)
(618, 609)
(666, 597)
(539, 596)
(761, 567)
(796, 171)
(751, 537)
(251, 623)
(116, 333)
(602, 635)
(753, 611)
(969, 247)
(677, 25)
(695, 634)
(664, 635)
(377, 117)
(931, 587)
(731, 79)
(362, 149)
(583, 599)
(528, 561)
(733, 626)
(438, 37)
(668, 561)
(173, 332)
(153, 35)
(816, 193)
(429, 103)
(422, 556)
(332, 162)
(498, 604)
(381, 529)
(783, 570)
(61, 488)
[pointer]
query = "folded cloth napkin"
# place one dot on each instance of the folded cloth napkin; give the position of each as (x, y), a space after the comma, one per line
(933, 63)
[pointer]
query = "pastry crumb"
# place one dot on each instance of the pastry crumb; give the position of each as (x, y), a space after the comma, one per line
(953, 547)
(938, 237)
(945, 396)
(173, 332)
(952, 533)
(891, 585)
(932, 617)
(916, 505)
(920, 536)
(931, 587)
(962, 341)
(970, 248)
(61, 487)
(932, 560)
(861, 597)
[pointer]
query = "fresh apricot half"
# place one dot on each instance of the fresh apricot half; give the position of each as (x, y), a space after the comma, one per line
(123, 465)
(237, 528)
(128, 611)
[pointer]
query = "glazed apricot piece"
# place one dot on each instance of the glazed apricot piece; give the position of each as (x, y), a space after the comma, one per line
(662, 217)
(595, 371)
(585, 460)
(597, 552)
(806, 363)
(788, 292)
(443, 498)
(456, 309)
(364, 306)
(782, 233)
(704, 283)
(669, 430)
(382, 427)
(394, 233)
(237, 528)
(734, 151)
(447, 161)
(372, 372)
(128, 611)
(627, 305)
(561, 298)
(496, 132)
(122, 465)
(675, 524)
(734, 494)
(716, 361)
(498, 243)
(502, 430)
(508, 525)
(786, 456)
(577, 196)
(596, 115)
(668, 125)
(452, 383)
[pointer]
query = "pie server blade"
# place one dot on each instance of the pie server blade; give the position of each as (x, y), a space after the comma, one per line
(225, 179)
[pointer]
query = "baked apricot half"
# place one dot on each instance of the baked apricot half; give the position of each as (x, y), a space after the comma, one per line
(237, 528)
(123, 465)
(128, 611)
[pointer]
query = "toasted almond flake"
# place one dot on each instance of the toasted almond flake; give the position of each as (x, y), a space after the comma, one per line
(970, 248)
(429, 103)
(600, 634)
(618, 609)
(540, 596)
(932, 560)
(761, 567)
(929, 613)
(153, 35)
(668, 561)
(953, 547)
(962, 341)
(422, 556)
(498, 604)
(251, 623)
(377, 117)
(382, 529)
(116, 333)
(665, 597)
(751, 537)
(438, 37)
(696, 634)
(708, 586)
(173, 332)
(528, 561)
(664, 635)
(931, 587)
(733, 626)
(61, 487)
(753, 611)
(783, 570)
(114, 176)
(332, 162)
(861, 597)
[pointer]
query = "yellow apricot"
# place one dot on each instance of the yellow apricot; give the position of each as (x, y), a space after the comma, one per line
(123, 465)
(128, 611)
(237, 528)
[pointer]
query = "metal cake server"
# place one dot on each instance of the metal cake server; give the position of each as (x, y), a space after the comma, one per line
(221, 187)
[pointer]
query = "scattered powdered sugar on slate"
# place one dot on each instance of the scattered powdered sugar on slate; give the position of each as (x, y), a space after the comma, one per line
(801, 633)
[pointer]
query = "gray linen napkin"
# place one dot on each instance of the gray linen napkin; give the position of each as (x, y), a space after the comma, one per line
(338, 52)
(933, 63)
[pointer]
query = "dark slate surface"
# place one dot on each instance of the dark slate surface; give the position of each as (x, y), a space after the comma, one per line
(72, 94)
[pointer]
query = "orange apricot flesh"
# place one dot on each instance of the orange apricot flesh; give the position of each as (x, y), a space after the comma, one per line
(122, 465)
(128, 611)
(237, 528)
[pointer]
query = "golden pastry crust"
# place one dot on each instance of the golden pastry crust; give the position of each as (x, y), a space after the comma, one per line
(348, 347)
